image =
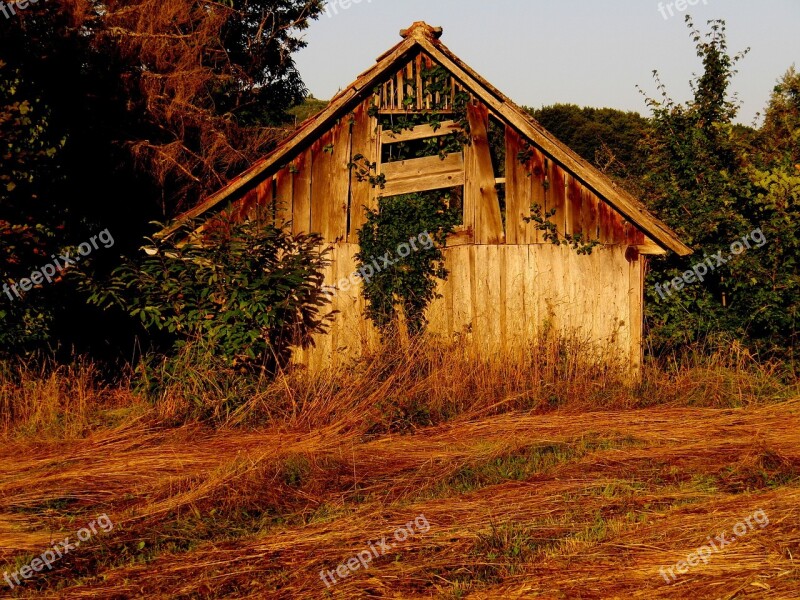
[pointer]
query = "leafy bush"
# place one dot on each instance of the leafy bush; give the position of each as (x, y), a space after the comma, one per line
(250, 291)
(715, 182)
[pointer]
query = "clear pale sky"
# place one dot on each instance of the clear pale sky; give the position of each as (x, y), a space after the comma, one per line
(585, 52)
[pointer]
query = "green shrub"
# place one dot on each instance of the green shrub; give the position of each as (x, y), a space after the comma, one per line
(250, 291)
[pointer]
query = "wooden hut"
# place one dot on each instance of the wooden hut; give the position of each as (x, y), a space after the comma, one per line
(506, 282)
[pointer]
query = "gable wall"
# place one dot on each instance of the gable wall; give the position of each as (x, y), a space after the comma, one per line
(319, 191)
(506, 283)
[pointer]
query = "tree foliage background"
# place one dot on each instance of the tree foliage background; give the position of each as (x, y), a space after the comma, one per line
(114, 114)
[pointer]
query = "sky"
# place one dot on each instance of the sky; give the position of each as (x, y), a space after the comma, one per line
(584, 52)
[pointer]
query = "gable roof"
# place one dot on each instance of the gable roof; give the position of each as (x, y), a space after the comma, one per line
(422, 37)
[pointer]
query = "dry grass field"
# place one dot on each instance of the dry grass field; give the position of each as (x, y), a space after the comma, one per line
(548, 478)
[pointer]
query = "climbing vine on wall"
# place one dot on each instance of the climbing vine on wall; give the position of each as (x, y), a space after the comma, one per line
(542, 218)
(401, 257)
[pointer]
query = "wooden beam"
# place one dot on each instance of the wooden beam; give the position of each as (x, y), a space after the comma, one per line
(420, 132)
(480, 191)
(408, 111)
(417, 167)
(650, 247)
(361, 191)
(423, 183)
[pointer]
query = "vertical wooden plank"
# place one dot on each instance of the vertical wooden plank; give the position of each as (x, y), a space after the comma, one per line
(418, 67)
(346, 342)
(411, 85)
(636, 270)
(589, 214)
(315, 356)
(518, 190)
(361, 191)
(461, 278)
(633, 235)
(338, 205)
(515, 272)
(447, 299)
(301, 193)
(325, 343)
(245, 208)
(257, 204)
(574, 201)
(480, 295)
(320, 184)
(618, 228)
(428, 80)
(502, 305)
(496, 268)
(400, 89)
(605, 223)
(438, 313)
(491, 297)
(481, 202)
(556, 195)
(370, 337)
(330, 182)
(606, 283)
(532, 290)
(538, 178)
(553, 288)
(284, 183)
(474, 303)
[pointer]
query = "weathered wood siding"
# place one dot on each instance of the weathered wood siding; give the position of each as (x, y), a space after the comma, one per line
(319, 191)
(499, 298)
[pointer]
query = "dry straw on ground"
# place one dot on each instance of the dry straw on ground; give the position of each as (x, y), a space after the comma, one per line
(565, 484)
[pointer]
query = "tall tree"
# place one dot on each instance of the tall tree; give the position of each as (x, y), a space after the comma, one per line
(157, 103)
(701, 180)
